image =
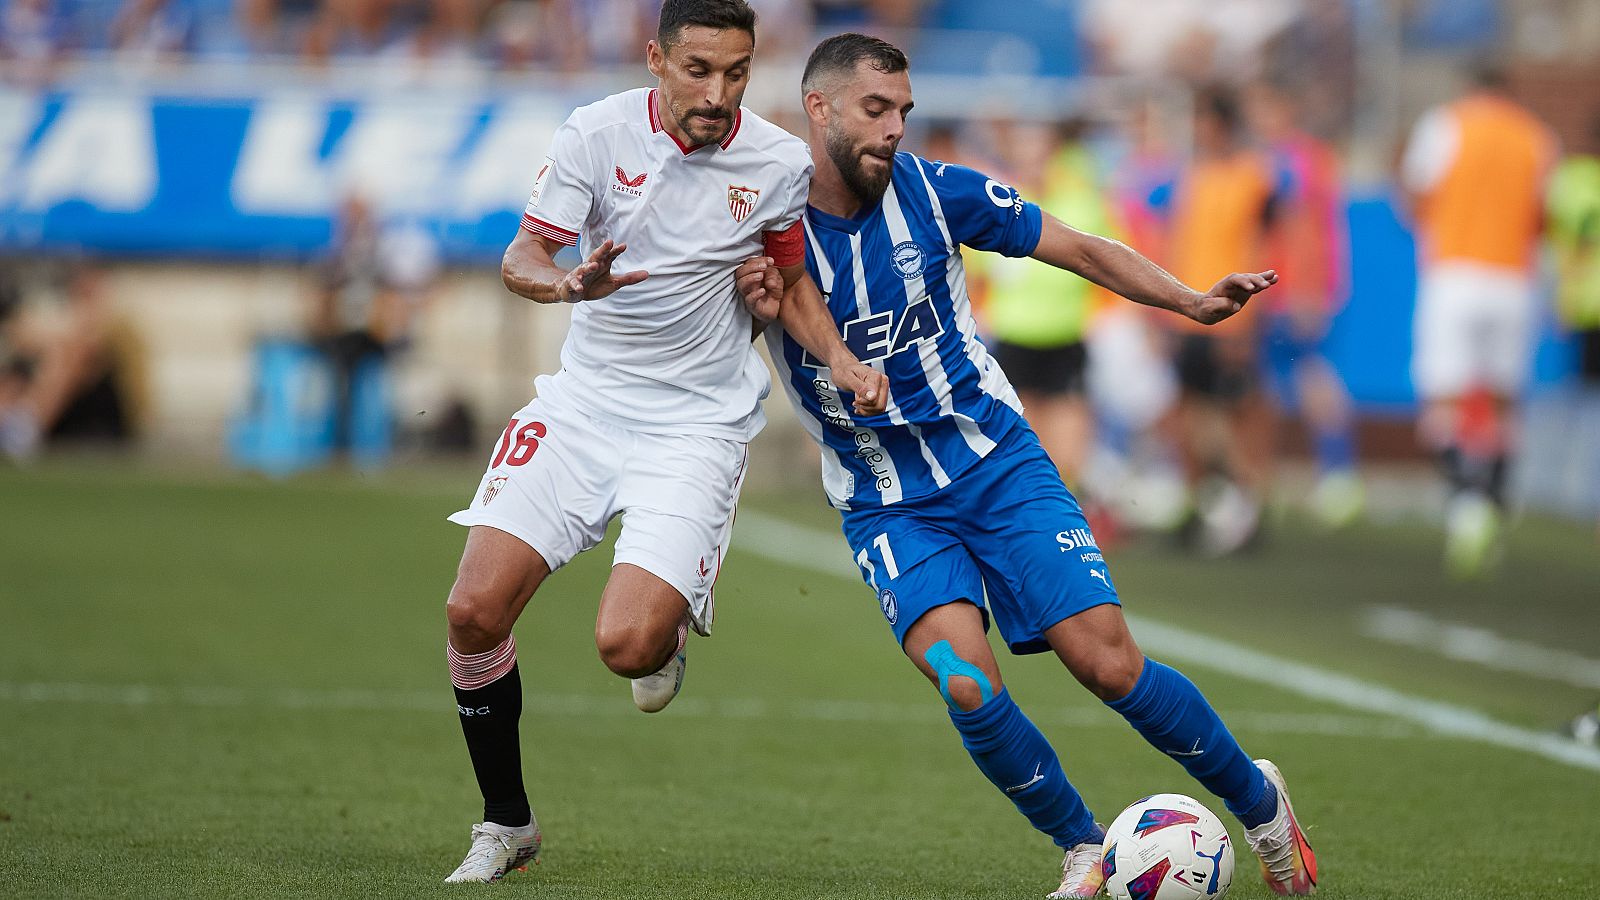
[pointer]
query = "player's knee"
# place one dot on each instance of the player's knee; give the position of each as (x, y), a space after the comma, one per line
(964, 693)
(964, 686)
(477, 616)
(628, 652)
(1111, 676)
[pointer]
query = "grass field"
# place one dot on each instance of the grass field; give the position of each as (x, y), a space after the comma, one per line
(219, 687)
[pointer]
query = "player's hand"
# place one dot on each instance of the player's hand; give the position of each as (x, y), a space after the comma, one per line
(870, 387)
(592, 278)
(761, 285)
(1229, 296)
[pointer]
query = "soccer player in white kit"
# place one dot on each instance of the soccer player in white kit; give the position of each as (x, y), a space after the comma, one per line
(658, 394)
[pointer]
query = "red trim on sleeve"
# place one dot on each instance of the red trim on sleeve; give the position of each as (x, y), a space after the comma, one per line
(786, 247)
(546, 230)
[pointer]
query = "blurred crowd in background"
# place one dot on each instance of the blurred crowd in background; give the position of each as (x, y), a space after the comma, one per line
(1294, 121)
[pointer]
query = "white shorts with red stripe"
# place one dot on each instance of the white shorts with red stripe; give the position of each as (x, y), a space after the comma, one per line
(557, 476)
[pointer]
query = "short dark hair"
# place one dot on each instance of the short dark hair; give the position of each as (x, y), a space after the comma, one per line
(1221, 103)
(718, 14)
(843, 52)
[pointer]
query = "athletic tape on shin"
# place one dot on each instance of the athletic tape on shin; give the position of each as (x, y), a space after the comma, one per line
(470, 671)
(946, 664)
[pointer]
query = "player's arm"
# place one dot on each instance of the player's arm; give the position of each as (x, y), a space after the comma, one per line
(529, 270)
(805, 317)
(1119, 268)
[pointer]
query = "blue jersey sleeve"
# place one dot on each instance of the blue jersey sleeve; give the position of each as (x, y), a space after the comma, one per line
(984, 213)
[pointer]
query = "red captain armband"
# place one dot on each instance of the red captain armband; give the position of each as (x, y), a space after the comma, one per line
(786, 247)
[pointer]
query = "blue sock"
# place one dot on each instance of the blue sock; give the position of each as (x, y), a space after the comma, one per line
(1336, 450)
(1012, 753)
(1175, 718)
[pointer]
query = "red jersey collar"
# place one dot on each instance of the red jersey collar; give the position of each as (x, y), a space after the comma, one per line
(686, 149)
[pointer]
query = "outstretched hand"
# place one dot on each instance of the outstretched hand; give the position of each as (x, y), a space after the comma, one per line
(761, 285)
(870, 387)
(592, 278)
(1229, 296)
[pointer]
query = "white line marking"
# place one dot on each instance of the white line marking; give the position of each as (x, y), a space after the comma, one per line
(617, 706)
(1481, 646)
(777, 540)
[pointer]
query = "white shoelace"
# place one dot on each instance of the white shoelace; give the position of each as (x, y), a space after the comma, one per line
(1276, 849)
(485, 844)
(1079, 862)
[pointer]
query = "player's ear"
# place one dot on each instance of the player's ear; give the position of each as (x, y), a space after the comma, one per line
(655, 57)
(817, 106)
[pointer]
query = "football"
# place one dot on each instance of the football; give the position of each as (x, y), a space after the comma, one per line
(1167, 847)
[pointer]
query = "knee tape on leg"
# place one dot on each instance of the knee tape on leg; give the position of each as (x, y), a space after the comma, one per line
(942, 657)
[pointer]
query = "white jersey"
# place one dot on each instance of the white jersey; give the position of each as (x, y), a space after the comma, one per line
(672, 354)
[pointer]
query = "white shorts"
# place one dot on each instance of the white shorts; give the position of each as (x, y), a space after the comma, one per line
(1473, 328)
(557, 477)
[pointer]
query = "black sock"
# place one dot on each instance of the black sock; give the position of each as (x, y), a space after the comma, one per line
(1495, 479)
(489, 718)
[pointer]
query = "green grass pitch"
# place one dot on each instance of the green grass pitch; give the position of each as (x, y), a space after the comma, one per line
(222, 687)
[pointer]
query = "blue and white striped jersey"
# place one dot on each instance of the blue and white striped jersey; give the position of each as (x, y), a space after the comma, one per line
(894, 280)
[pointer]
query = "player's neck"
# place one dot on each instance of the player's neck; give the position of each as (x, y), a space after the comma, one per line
(829, 193)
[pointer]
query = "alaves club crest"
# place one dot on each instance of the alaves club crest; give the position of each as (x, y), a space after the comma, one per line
(742, 201)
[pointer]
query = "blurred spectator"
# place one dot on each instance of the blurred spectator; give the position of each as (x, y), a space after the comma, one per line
(1316, 54)
(371, 286)
(1217, 40)
(1037, 313)
(1475, 170)
(866, 15)
(35, 35)
(1573, 203)
(530, 34)
(69, 371)
(353, 28)
(1308, 246)
(150, 30)
(1220, 205)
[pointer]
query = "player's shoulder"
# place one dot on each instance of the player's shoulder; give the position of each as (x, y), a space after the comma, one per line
(761, 136)
(617, 109)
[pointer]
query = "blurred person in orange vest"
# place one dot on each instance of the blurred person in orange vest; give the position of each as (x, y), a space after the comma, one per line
(1475, 172)
(1308, 242)
(1221, 204)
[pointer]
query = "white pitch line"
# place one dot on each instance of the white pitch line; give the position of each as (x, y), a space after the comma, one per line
(774, 539)
(617, 706)
(1480, 646)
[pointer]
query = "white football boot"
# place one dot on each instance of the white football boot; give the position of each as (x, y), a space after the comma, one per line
(1081, 875)
(653, 692)
(1287, 863)
(496, 851)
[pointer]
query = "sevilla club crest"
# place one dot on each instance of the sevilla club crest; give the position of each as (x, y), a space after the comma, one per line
(492, 489)
(742, 201)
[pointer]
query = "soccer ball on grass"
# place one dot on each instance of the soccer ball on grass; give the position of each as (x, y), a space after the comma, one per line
(1167, 847)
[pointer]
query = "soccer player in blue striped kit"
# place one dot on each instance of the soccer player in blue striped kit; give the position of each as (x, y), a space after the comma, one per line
(947, 495)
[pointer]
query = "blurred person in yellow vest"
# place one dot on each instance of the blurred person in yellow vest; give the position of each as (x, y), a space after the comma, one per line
(1475, 171)
(1222, 203)
(1038, 314)
(1308, 243)
(1573, 205)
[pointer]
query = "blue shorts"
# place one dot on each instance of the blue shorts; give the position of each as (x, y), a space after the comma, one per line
(1007, 527)
(1282, 353)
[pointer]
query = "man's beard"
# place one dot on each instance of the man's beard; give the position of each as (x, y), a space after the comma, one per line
(689, 125)
(868, 188)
